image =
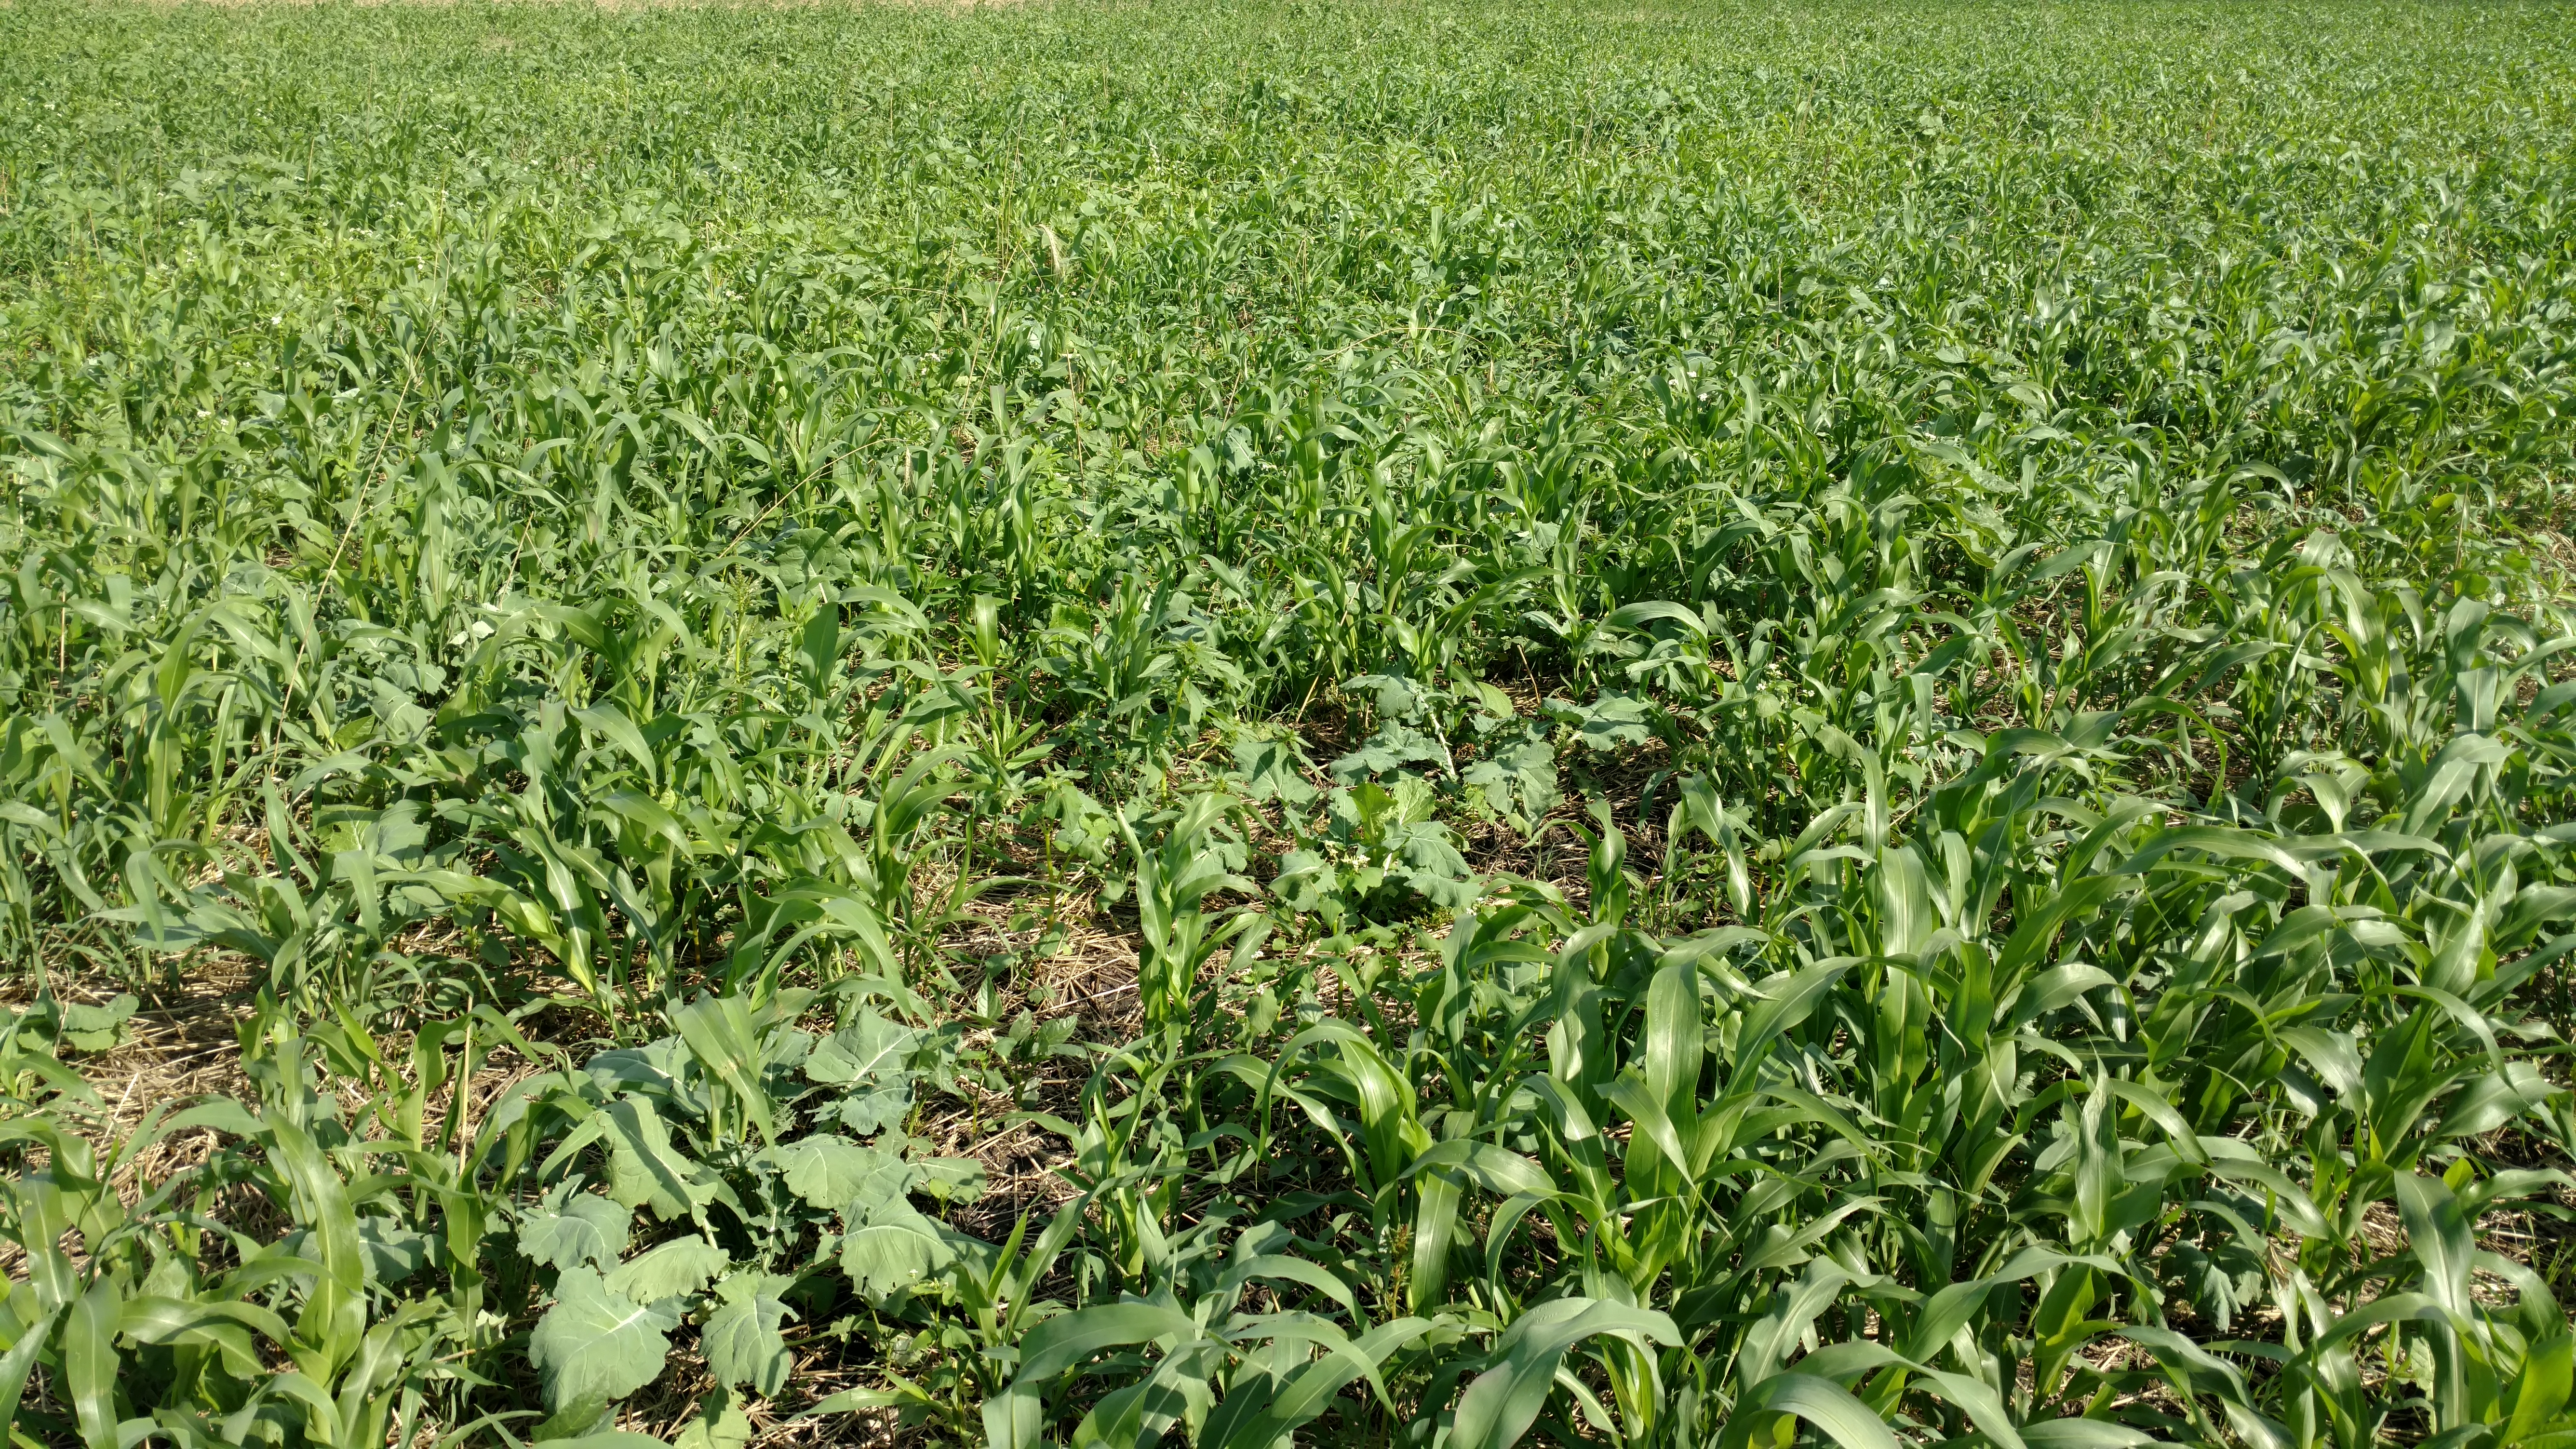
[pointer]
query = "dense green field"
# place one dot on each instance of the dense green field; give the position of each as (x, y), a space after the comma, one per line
(1680, 724)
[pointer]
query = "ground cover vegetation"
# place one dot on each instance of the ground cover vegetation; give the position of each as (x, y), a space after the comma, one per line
(1220, 724)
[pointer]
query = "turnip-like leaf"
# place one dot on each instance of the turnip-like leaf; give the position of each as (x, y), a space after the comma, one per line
(682, 1265)
(868, 1050)
(583, 1228)
(741, 1340)
(594, 1344)
(1268, 770)
(828, 1171)
(1390, 749)
(891, 1246)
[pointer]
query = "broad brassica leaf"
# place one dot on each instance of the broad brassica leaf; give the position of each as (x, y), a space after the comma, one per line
(1271, 770)
(644, 1170)
(1517, 780)
(741, 1339)
(668, 1270)
(890, 1246)
(828, 1171)
(1396, 697)
(568, 1229)
(870, 1049)
(1392, 748)
(1428, 862)
(597, 1345)
(1614, 721)
(869, 1058)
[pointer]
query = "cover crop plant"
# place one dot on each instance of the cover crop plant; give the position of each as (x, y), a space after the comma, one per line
(1369, 722)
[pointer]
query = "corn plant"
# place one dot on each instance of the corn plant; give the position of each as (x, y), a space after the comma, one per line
(1809, 724)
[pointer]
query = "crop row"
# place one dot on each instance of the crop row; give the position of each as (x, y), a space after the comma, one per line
(1597, 734)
